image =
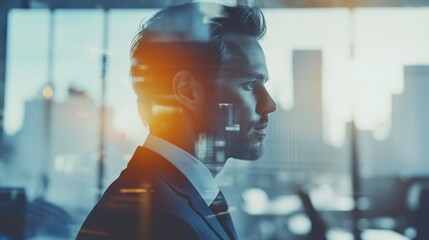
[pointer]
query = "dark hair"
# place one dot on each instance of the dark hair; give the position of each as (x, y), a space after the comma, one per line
(190, 36)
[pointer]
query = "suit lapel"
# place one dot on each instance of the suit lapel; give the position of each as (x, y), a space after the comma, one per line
(204, 211)
(150, 160)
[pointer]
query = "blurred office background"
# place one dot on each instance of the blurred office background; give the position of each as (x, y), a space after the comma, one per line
(346, 152)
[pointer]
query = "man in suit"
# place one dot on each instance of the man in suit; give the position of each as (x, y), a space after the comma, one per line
(199, 74)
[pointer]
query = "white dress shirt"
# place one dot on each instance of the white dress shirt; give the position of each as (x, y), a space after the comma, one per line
(194, 170)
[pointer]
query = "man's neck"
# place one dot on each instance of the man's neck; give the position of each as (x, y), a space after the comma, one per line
(188, 143)
(183, 141)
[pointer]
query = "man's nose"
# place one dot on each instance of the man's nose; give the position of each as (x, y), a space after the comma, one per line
(266, 103)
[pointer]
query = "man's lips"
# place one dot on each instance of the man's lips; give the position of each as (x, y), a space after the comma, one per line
(261, 127)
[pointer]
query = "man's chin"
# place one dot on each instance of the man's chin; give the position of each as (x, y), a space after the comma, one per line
(250, 153)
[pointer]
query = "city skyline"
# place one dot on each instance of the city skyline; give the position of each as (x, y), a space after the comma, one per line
(372, 73)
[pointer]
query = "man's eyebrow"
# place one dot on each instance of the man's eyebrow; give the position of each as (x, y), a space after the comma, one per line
(237, 72)
(257, 75)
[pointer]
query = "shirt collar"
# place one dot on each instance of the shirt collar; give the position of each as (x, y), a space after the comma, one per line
(193, 169)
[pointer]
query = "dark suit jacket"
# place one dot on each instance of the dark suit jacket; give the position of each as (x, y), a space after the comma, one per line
(151, 199)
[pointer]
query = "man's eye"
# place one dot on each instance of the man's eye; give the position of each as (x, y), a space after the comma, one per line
(248, 85)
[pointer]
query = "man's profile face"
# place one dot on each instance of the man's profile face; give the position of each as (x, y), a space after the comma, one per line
(241, 83)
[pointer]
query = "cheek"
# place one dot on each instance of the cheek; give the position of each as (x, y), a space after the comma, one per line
(237, 96)
(244, 103)
(244, 110)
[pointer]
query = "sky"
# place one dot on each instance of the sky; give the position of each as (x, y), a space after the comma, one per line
(364, 52)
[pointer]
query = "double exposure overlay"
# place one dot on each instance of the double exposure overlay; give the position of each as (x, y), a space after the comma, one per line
(299, 120)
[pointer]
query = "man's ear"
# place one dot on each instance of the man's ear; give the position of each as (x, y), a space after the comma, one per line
(188, 90)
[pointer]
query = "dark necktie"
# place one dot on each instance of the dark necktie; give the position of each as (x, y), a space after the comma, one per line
(219, 208)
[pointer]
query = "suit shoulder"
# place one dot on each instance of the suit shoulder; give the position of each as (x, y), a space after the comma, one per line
(131, 201)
